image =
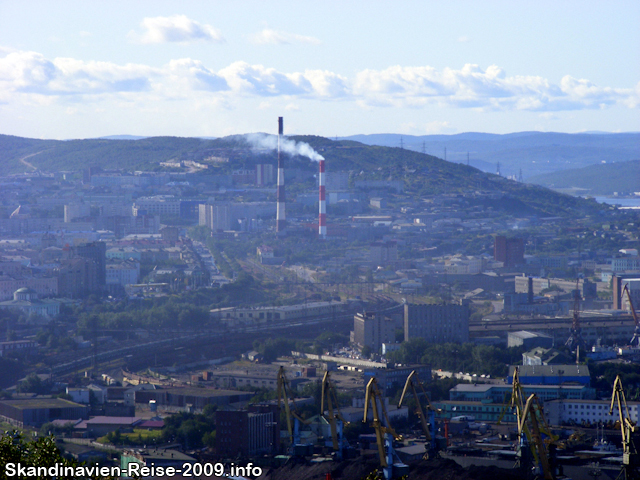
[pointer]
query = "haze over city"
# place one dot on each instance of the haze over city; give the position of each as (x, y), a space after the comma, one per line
(76, 70)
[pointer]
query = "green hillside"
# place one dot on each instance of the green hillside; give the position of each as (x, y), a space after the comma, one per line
(421, 174)
(601, 179)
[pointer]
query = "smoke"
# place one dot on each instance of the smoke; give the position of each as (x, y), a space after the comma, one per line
(270, 142)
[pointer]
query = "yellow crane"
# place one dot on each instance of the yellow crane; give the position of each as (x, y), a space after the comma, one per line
(385, 434)
(335, 418)
(532, 425)
(630, 459)
(429, 432)
(284, 392)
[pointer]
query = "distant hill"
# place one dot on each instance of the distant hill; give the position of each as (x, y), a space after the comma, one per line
(421, 175)
(601, 179)
(533, 152)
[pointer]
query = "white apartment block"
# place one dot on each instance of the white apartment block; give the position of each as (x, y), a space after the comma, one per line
(158, 205)
(585, 411)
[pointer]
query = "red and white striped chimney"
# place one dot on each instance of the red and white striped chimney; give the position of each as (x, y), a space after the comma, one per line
(281, 221)
(322, 219)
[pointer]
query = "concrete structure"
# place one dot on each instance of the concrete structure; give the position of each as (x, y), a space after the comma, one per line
(166, 205)
(383, 253)
(510, 251)
(372, 330)
(233, 316)
(18, 348)
(77, 210)
(551, 374)
(437, 323)
(544, 356)
(123, 273)
(101, 425)
(528, 340)
(589, 412)
(264, 174)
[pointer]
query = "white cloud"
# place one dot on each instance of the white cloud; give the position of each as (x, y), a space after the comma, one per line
(437, 127)
(84, 34)
(269, 36)
(178, 29)
(28, 77)
(464, 39)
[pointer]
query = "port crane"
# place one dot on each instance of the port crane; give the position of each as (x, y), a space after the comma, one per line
(284, 392)
(429, 428)
(533, 451)
(635, 340)
(334, 417)
(385, 434)
(630, 458)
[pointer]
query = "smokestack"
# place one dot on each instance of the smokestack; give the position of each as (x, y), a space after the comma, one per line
(322, 219)
(281, 220)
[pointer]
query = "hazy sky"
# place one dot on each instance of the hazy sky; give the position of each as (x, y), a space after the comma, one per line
(76, 69)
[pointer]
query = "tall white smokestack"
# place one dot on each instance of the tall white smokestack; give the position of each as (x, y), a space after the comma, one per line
(281, 221)
(322, 219)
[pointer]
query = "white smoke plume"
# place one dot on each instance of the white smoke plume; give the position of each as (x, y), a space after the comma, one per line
(270, 142)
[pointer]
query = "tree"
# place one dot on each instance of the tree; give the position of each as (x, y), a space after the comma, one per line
(42, 452)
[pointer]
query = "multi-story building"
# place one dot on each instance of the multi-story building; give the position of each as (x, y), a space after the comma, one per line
(225, 216)
(158, 205)
(509, 251)
(625, 263)
(97, 253)
(76, 210)
(123, 272)
(383, 253)
(491, 393)
(436, 323)
(372, 330)
(248, 433)
(569, 411)
(264, 174)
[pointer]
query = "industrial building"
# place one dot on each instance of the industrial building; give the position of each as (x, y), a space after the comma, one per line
(528, 340)
(437, 323)
(36, 411)
(485, 392)
(551, 374)
(232, 316)
(197, 397)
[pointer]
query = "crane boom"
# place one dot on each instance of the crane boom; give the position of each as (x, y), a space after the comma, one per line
(329, 392)
(630, 457)
(412, 381)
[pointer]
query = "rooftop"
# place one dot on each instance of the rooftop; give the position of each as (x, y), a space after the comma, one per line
(40, 402)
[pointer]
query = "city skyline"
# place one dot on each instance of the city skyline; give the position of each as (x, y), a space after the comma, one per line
(74, 70)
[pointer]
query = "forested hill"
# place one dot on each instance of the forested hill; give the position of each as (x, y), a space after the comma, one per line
(601, 179)
(420, 174)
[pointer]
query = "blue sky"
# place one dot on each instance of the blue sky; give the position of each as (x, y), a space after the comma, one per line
(71, 69)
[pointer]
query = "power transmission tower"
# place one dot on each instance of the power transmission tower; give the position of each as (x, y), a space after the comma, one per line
(424, 147)
(520, 176)
(401, 144)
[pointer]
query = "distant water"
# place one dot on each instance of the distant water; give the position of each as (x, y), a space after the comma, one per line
(620, 202)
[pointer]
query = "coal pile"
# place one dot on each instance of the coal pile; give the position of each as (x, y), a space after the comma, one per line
(357, 469)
